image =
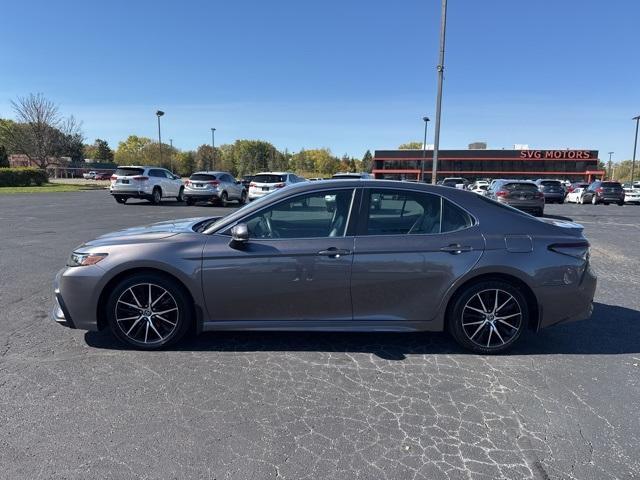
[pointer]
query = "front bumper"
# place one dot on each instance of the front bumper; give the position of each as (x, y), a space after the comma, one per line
(76, 292)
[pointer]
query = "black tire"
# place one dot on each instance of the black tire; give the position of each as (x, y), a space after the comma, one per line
(115, 309)
(243, 198)
(620, 204)
(513, 317)
(156, 196)
(538, 213)
(581, 201)
(190, 201)
(120, 199)
(180, 197)
(224, 199)
(594, 200)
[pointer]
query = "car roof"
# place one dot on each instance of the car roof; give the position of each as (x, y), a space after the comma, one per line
(273, 173)
(210, 172)
(140, 166)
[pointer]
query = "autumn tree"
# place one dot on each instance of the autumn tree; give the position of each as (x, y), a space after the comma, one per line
(367, 162)
(131, 150)
(411, 146)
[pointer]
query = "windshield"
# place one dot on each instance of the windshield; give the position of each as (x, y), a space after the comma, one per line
(202, 176)
(268, 178)
(128, 172)
(527, 187)
(611, 185)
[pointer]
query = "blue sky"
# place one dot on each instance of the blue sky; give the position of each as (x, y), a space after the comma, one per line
(348, 75)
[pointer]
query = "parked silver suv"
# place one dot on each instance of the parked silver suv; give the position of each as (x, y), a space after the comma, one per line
(149, 183)
(214, 186)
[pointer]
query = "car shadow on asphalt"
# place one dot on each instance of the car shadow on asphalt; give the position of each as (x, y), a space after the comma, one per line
(610, 330)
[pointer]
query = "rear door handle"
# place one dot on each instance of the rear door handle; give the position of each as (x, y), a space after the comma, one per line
(333, 252)
(456, 249)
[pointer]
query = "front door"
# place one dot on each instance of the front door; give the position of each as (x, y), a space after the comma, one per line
(296, 265)
(409, 251)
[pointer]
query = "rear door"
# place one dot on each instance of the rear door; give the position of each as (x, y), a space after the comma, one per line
(410, 248)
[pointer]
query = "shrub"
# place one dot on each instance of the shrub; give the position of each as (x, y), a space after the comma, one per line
(22, 177)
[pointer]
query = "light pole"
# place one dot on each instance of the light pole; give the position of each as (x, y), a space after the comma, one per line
(213, 146)
(159, 113)
(171, 154)
(440, 68)
(635, 145)
(610, 163)
(424, 148)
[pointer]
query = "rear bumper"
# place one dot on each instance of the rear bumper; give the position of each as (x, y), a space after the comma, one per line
(196, 195)
(130, 193)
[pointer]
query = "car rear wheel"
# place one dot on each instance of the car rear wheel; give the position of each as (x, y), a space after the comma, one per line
(156, 196)
(148, 311)
(120, 199)
(224, 199)
(620, 204)
(594, 200)
(488, 317)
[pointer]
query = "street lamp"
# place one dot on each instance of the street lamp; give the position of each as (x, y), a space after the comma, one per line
(159, 113)
(424, 148)
(635, 145)
(213, 146)
(610, 163)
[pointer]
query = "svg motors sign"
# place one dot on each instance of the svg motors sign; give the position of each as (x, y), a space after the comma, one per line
(558, 154)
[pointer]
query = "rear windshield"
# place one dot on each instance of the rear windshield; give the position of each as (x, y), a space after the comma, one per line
(202, 176)
(527, 187)
(345, 175)
(268, 178)
(611, 185)
(551, 183)
(129, 172)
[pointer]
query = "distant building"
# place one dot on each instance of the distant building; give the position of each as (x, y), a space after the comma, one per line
(476, 164)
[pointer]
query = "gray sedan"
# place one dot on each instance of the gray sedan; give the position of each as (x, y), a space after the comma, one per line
(426, 258)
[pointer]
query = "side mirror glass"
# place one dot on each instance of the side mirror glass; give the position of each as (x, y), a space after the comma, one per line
(240, 233)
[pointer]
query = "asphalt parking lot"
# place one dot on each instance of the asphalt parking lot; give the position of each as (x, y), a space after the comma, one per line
(563, 404)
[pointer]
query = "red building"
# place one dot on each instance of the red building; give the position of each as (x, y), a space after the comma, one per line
(475, 164)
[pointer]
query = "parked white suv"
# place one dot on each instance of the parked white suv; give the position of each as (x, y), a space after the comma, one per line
(150, 183)
(214, 186)
(266, 182)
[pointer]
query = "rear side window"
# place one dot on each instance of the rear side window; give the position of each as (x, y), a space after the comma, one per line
(156, 173)
(269, 178)
(202, 177)
(412, 213)
(129, 172)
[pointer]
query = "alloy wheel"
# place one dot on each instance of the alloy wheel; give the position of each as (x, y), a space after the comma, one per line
(147, 313)
(491, 318)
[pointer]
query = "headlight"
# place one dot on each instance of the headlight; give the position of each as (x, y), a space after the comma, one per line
(77, 259)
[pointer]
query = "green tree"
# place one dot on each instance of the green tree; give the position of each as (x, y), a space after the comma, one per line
(131, 150)
(103, 151)
(411, 146)
(185, 163)
(204, 157)
(367, 162)
(4, 158)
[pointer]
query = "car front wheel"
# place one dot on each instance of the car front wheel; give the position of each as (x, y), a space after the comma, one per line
(120, 199)
(488, 317)
(148, 311)
(180, 196)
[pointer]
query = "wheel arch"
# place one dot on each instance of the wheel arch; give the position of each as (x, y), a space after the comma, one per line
(525, 289)
(110, 285)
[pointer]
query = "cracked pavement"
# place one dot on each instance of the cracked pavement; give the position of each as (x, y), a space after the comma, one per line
(563, 404)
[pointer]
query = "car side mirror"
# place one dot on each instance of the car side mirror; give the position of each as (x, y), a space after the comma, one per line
(240, 234)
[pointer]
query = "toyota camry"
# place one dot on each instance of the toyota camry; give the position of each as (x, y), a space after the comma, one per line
(340, 255)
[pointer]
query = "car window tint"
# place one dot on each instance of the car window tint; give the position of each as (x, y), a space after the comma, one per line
(156, 173)
(202, 177)
(401, 213)
(129, 172)
(527, 187)
(267, 178)
(167, 174)
(318, 214)
(454, 218)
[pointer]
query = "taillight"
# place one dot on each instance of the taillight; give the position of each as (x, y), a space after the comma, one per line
(140, 178)
(213, 182)
(187, 182)
(502, 193)
(538, 195)
(113, 177)
(599, 189)
(280, 185)
(252, 184)
(573, 249)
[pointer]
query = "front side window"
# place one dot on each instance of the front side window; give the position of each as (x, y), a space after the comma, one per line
(314, 215)
(411, 213)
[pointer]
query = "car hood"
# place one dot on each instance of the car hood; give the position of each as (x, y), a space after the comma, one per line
(148, 233)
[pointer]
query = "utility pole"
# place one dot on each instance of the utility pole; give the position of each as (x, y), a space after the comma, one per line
(424, 149)
(635, 145)
(440, 68)
(171, 154)
(213, 146)
(609, 166)
(159, 113)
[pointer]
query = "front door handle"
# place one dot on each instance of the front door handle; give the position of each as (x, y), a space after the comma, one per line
(456, 249)
(334, 252)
